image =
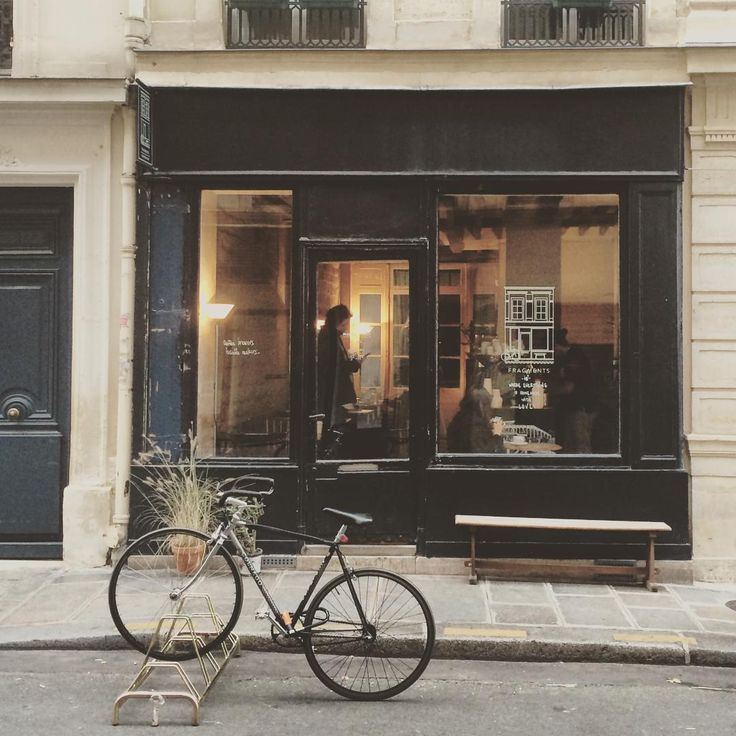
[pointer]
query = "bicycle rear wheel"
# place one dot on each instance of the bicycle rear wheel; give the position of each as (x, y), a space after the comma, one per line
(379, 661)
(144, 586)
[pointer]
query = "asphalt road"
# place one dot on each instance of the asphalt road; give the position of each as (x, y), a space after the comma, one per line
(61, 693)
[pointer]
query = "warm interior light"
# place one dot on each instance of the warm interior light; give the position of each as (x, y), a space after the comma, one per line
(217, 311)
(320, 324)
(364, 329)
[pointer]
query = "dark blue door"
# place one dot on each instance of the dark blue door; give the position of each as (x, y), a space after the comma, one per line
(35, 356)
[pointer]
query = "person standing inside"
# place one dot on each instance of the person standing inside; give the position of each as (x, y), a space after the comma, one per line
(335, 369)
(573, 392)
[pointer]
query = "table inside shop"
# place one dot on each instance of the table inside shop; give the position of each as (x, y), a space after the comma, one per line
(532, 447)
(364, 415)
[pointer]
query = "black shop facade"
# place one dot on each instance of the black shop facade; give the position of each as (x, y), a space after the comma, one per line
(418, 304)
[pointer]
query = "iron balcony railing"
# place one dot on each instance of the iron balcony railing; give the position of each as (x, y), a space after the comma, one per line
(564, 23)
(6, 33)
(270, 24)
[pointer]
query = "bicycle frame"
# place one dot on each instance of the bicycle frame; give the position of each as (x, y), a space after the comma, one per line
(282, 620)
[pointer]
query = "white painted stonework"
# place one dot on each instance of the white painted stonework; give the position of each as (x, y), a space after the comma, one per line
(712, 345)
(61, 126)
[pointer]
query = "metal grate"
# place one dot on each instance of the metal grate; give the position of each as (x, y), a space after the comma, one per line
(6, 33)
(278, 24)
(280, 562)
(535, 23)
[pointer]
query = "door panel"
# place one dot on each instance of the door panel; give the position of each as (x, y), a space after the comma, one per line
(35, 346)
(27, 303)
(34, 507)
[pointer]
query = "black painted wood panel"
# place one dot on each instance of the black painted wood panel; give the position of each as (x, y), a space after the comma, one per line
(655, 336)
(644, 495)
(379, 131)
(349, 209)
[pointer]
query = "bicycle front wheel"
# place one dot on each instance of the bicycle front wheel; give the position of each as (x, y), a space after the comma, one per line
(145, 588)
(381, 659)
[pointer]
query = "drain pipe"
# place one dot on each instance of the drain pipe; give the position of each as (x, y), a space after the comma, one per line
(135, 36)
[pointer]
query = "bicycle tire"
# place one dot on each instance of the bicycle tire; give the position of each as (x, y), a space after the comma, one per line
(144, 578)
(393, 660)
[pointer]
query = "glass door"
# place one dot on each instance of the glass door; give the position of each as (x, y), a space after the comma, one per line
(361, 380)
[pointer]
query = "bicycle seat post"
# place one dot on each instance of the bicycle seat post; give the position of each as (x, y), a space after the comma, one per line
(340, 536)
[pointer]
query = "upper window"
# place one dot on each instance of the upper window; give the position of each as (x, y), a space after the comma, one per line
(529, 23)
(320, 24)
(528, 342)
(244, 323)
(6, 34)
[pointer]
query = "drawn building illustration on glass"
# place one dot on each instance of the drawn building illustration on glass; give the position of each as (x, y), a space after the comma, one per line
(530, 318)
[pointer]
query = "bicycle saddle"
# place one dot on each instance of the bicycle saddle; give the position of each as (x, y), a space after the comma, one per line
(350, 517)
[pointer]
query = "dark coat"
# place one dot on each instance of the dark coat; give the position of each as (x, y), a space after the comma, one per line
(334, 376)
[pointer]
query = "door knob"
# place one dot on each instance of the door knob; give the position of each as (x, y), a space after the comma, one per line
(13, 413)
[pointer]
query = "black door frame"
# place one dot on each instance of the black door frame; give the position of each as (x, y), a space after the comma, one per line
(416, 252)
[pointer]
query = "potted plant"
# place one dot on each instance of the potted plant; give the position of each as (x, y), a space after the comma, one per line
(179, 494)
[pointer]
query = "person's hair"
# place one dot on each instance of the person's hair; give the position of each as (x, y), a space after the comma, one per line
(335, 315)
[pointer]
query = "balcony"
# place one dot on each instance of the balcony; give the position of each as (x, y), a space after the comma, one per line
(573, 23)
(279, 24)
(6, 34)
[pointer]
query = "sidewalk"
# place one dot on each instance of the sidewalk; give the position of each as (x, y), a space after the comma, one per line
(44, 605)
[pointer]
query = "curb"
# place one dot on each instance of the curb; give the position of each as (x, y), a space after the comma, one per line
(489, 649)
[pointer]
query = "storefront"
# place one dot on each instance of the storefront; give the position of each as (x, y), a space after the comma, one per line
(503, 267)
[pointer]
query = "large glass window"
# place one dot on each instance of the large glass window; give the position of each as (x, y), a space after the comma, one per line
(244, 320)
(528, 320)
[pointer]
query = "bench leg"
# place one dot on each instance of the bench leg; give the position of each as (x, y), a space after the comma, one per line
(473, 574)
(651, 578)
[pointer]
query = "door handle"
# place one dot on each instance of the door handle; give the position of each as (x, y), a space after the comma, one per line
(13, 413)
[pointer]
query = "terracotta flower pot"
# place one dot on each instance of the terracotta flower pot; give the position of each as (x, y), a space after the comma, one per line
(187, 557)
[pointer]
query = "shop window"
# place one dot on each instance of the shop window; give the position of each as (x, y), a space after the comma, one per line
(244, 323)
(528, 331)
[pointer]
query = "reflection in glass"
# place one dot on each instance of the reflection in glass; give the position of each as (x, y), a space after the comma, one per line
(243, 359)
(363, 380)
(528, 313)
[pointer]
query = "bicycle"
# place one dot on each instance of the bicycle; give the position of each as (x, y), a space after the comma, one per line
(366, 634)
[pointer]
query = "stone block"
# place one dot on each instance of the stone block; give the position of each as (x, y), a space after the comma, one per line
(524, 615)
(519, 593)
(171, 9)
(663, 620)
(714, 268)
(714, 412)
(592, 611)
(714, 365)
(714, 315)
(419, 10)
(713, 219)
(713, 532)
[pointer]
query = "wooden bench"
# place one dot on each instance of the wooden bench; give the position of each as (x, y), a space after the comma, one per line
(572, 569)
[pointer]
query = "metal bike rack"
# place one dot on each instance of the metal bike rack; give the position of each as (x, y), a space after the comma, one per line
(210, 665)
